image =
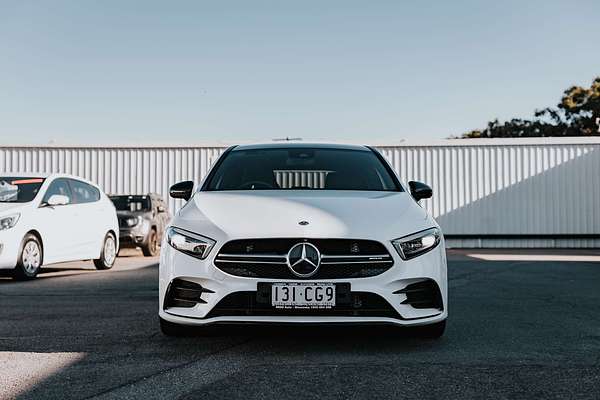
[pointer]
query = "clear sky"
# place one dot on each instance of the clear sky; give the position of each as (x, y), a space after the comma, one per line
(192, 72)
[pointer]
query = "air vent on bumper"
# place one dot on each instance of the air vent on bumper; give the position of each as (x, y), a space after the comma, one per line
(424, 294)
(182, 293)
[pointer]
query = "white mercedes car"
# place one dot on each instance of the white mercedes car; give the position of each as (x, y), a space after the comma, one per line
(51, 218)
(302, 233)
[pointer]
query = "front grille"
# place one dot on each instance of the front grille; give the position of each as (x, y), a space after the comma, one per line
(340, 258)
(361, 304)
(424, 294)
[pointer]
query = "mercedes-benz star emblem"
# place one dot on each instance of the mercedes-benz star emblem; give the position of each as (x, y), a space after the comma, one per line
(303, 260)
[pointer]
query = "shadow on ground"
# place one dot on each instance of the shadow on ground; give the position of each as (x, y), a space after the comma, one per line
(517, 329)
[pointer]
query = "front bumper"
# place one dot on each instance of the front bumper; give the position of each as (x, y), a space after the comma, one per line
(133, 237)
(10, 245)
(428, 267)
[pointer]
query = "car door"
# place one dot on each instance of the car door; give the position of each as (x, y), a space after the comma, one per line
(90, 213)
(58, 224)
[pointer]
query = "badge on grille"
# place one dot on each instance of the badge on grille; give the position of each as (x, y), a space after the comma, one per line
(303, 260)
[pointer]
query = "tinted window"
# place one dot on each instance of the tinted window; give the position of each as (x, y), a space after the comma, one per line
(18, 189)
(131, 203)
(84, 193)
(58, 186)
(302, 168)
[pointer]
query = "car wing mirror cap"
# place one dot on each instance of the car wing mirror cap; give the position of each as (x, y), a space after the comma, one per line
(182, 190)
(419, 190)
(58, 200)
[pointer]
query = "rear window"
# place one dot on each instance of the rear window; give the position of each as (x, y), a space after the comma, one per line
(131, 203)
(19, 189)
(83, 192)
(302, 169)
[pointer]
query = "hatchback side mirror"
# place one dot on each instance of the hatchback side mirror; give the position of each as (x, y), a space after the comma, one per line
(58, 200)
(419, 190)
(182, 190)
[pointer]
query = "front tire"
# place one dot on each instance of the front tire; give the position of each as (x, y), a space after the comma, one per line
(432, 331)
(31, 258)
(108, 255)
(151, 248)
(171, 329)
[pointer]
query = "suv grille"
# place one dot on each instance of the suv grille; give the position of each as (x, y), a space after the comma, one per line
(340, 258)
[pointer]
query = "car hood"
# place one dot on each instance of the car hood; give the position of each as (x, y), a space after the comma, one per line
(339, 214)
(9, 208)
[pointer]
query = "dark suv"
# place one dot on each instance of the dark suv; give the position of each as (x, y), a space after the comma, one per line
(142, 221)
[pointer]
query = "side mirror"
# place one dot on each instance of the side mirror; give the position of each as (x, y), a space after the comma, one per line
(419, 190)
(182, 190)
(58, 200)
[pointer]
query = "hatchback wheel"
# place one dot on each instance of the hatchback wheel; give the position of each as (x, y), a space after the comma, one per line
(30, 259)
(108, 254)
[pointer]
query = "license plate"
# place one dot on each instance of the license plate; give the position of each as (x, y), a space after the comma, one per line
(303, 295)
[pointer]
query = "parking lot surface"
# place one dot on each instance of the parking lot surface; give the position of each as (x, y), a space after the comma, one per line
(523, 325)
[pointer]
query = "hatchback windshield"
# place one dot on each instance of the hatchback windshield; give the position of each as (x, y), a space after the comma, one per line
(131, 203)
(302, 169)
(18, 189)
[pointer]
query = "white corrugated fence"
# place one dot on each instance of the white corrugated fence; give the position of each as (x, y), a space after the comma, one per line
(487, 193)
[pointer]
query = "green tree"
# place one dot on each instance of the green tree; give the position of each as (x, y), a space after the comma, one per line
(575, 115)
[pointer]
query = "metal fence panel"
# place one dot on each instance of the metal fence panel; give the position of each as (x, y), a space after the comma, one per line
(487, 192)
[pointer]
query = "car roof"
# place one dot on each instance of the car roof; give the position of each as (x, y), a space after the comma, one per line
(46, 175)
(27, 174)
(299, 145)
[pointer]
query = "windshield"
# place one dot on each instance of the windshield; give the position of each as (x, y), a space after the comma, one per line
(131, 203)
(18, 189)
(302, 169)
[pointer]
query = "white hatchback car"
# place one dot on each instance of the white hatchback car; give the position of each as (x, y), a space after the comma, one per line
(301, 233)
(50, 218)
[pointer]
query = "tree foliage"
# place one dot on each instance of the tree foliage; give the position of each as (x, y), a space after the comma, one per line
(575, 115)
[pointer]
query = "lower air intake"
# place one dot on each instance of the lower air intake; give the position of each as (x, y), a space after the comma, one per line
(182, 293)
(424, 294)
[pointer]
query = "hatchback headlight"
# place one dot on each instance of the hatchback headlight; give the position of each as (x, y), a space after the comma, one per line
(189, 243)
(133, 221)
(418, 243)
(9, 221)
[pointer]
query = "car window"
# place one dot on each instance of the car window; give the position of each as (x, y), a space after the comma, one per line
(131, 203)
(19, 189)
(84, 193)
(58, 186)
(302, 169)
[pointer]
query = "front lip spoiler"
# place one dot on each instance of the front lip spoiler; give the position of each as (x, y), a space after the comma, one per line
(299, 322)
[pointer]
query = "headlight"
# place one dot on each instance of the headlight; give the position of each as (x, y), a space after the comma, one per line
(189, 243)
(133, 221)
(418, 243)
(8, 221)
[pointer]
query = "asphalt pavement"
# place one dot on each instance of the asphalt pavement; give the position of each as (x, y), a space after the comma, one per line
(528, 327)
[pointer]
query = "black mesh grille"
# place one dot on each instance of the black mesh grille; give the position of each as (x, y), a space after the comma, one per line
(361, 304)
(341, 258)
(424, 294)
